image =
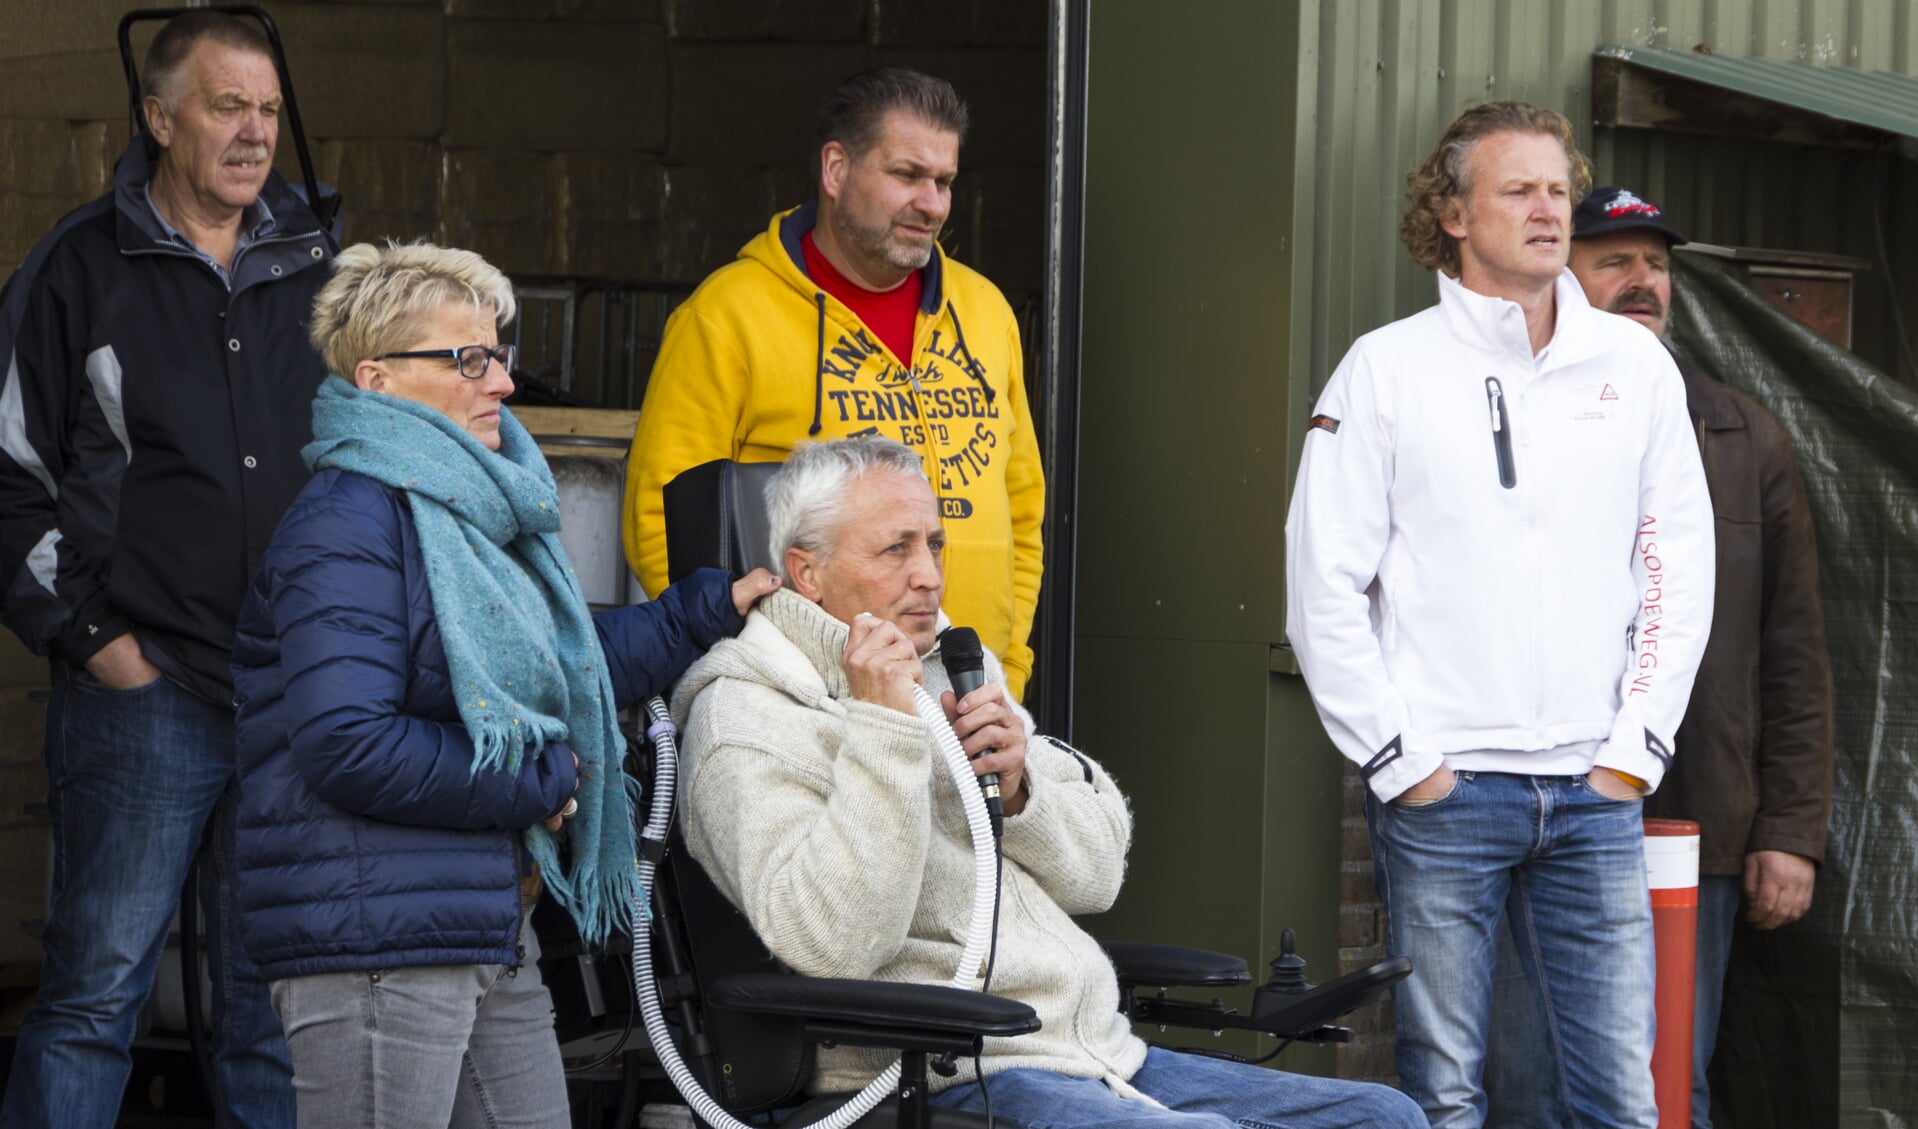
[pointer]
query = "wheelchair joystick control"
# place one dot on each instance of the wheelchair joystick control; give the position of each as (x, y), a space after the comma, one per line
(1287, 979)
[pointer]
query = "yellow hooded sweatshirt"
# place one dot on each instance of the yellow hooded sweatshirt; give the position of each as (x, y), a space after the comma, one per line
(760, 359)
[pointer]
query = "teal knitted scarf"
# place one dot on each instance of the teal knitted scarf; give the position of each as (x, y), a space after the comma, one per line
(520, 644)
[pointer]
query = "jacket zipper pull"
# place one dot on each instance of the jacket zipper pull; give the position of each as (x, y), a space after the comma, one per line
(1501, 433)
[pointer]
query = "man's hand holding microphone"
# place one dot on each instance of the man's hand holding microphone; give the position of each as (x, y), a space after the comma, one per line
(989, 729)
(882, 668)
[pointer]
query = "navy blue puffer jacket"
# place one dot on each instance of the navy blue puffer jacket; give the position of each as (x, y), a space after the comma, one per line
(365, 839)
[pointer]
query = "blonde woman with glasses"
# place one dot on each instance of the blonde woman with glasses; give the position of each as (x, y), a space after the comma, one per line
(426, 716)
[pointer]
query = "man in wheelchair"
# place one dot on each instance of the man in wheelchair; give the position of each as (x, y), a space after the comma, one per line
(815, 799)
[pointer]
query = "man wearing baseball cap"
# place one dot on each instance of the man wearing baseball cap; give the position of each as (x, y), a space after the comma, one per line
(1753, 758)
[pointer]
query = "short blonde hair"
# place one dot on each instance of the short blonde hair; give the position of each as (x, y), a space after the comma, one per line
(377, 297)
(1443, 177)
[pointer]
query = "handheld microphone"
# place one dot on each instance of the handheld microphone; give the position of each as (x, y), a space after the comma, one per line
(965, 662)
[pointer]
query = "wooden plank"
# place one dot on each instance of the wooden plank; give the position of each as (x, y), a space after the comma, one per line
(594, 432)
(598, 423)
(1629, 97)
(1777, 257)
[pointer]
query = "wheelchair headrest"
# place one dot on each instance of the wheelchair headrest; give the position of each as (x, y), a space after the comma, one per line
(716, 518)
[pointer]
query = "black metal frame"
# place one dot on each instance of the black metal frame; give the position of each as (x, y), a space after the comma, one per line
(1058, 400)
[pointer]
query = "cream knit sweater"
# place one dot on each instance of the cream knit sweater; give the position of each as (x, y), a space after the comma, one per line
(832, 825)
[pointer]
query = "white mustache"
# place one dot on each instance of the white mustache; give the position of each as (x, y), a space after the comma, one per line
(240, 154)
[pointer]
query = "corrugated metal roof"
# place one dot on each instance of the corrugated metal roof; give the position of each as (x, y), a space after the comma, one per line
(1878, 99)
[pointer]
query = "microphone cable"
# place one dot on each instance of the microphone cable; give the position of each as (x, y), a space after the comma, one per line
(992, 958)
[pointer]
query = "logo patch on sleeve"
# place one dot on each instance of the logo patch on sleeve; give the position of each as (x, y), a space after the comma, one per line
(1323, 423)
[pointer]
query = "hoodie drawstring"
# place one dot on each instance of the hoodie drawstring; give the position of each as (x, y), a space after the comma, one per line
(818, 365)
(971, 367)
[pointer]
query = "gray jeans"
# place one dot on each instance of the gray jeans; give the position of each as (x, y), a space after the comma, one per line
(469, 1046)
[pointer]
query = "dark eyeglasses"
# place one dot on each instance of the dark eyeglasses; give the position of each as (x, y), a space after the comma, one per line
(470, 358)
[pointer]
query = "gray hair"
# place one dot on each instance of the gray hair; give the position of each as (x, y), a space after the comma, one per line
(806, 499)
(168, 53)
(377, 297)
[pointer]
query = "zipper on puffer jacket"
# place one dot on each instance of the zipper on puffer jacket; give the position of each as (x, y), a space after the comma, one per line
(1501, 433)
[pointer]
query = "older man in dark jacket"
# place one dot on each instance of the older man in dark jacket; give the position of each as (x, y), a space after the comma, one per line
(1753, 762)
(155, 390)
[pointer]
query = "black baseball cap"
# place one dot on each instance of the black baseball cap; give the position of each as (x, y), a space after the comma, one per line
(1612, 209)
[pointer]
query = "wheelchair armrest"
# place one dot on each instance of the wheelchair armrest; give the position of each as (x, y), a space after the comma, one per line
(1173, 966)
(1298, 1014)
(874, 1003)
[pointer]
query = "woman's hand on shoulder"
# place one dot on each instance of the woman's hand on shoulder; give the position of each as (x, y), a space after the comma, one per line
(753, 587)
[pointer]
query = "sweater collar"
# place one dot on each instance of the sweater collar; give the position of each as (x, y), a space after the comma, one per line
(1497, 325)
(817, 636)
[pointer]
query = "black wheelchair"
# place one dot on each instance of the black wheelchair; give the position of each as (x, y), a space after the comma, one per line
(746, 1026)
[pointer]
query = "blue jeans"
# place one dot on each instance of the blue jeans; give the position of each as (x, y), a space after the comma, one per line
(1719, 896)
(1567, 866)
(1519, 1068)
(133, 777)
(1197, 1093)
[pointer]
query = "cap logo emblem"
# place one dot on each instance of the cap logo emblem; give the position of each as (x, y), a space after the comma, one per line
(1626, 204)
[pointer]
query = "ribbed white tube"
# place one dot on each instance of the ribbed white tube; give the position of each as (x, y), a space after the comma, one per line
(978, 937)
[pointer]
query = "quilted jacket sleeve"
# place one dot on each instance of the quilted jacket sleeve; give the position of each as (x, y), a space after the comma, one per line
(338, 596)
(649, 645)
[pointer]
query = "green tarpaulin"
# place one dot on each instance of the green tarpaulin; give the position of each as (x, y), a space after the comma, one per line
(1821, 1018)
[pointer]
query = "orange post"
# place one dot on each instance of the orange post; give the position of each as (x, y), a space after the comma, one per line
(1671, 866)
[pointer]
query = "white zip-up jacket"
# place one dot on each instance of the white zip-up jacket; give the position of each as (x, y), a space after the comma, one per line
(1496, 561)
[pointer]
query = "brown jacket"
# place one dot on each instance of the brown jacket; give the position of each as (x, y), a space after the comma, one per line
(1753, 763)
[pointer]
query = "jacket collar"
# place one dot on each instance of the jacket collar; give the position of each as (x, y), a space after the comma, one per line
(139, 230)
(1497, 326)
(1706, 400)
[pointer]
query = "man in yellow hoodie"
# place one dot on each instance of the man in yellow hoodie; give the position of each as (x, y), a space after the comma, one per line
(846, 318)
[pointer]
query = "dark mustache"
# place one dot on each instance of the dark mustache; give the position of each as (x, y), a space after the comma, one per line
(1638, 295)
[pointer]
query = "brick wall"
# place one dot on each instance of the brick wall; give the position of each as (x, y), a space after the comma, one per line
(1361, 941)
(603, 139)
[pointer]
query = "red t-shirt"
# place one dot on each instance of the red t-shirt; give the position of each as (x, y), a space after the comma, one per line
(889, 314)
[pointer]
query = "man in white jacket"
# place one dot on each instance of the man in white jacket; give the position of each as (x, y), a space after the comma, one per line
(817, 802)
(1499, 584)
